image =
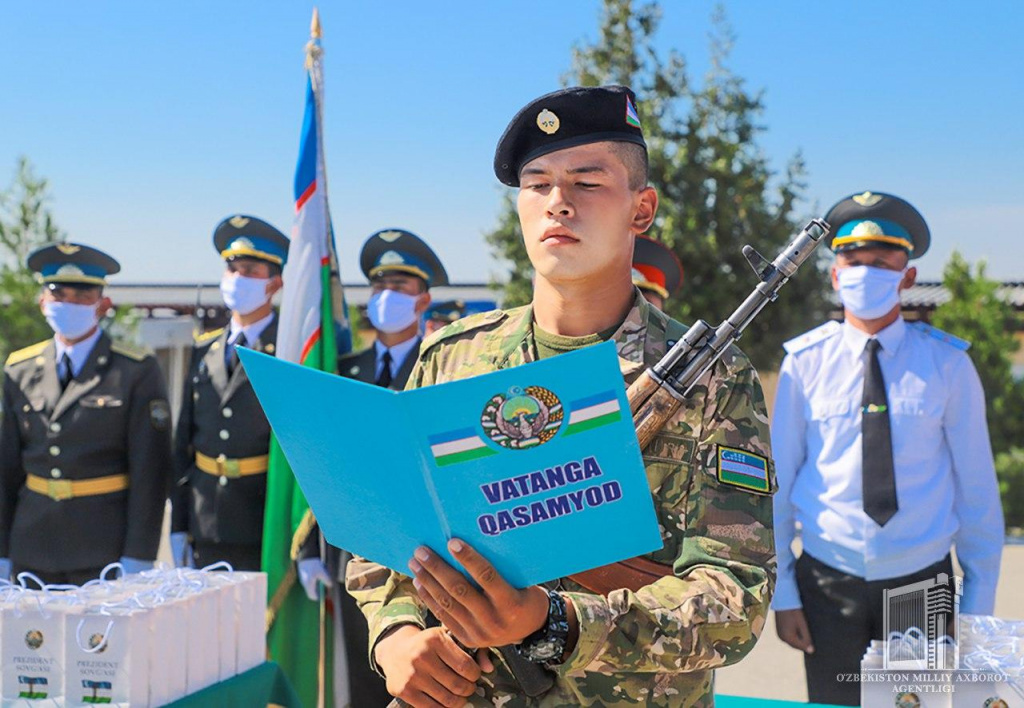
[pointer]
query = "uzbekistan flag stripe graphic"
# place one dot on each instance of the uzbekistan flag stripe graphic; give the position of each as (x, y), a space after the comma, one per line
(458, 446)
(742, 468)
(593, 412)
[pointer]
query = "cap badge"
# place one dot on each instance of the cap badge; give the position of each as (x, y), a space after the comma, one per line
(68, 248)
(238, 221)
(70, 269)
(867, 228)
(390, 258)
(548, 122)
(241, 243)
(867, 199)
(389, 236)
(632, 117)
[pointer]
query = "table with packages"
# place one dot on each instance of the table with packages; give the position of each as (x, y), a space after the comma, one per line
(264, 685)
(146, 639)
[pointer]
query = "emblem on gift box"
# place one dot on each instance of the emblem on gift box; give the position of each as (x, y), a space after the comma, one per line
(98, 640)
(34, 639)
(908, 700)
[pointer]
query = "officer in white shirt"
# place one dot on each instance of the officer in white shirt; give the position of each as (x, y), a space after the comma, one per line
(882, 455)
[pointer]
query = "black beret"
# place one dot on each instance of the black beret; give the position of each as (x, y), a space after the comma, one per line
(401, 251)
(877, 219)
(246, 236)
(565, 119)
(72, 264)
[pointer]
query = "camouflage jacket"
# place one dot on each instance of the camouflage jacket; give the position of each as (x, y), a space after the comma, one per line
(657, 646)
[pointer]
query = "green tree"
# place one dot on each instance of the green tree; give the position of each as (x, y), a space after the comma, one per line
(975, 312)
(26, 223)
(718, 191)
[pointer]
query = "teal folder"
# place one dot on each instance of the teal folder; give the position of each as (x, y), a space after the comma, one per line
(538, 467)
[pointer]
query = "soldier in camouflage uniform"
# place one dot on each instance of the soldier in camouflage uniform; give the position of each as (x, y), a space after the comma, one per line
(582, 199)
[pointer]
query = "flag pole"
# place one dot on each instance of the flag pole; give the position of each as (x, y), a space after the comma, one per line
(314, 52)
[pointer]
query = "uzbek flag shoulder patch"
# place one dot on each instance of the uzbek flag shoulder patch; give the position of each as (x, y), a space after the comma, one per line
(743, 469)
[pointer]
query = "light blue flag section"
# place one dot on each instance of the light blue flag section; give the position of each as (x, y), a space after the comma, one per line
(537, 467)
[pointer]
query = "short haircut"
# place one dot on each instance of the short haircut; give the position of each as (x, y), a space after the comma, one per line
(634, 157)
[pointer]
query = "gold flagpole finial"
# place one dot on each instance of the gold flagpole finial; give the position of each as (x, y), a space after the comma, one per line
(314, 26)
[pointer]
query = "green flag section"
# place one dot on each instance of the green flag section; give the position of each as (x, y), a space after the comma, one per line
(312, 330)
(294, 626)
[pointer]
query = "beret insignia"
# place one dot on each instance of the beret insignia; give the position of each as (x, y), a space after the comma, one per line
(548, 122)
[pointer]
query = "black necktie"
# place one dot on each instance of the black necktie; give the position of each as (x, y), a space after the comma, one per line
(385, 373)
(66, 372)
(233, 359)
(879, 479)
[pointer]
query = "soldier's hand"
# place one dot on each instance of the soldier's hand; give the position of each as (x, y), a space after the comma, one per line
(425, 667)
(792, 628)
(495, 615)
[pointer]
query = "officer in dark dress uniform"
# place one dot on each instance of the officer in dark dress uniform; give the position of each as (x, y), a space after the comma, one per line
(222, 437)
(85, 440)
(401, 269)
(656, 270)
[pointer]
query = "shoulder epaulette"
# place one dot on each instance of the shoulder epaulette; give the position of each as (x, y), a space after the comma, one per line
(129, 350)
(205, 337)
(27, 353)
(465, 324)
(807, 339)
(936, 333)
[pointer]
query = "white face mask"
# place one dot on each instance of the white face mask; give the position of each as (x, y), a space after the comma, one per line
(70, 320)
(391, 311)
(868, 292)
(242, 294)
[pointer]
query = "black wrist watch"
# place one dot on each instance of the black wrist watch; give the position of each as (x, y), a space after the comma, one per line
(547, 644)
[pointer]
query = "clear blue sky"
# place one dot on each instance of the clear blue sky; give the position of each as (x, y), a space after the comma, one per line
(154, 121)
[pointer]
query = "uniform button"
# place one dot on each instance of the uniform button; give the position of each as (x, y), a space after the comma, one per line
(223, 481)
(54, 450)
(195, 396)
(227, 412)
(54, 427)
(55, 473)
(26, 408)
(224, 435)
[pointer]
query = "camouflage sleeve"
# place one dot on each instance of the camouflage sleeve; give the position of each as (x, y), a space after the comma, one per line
(386, 598)
(710, 613)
